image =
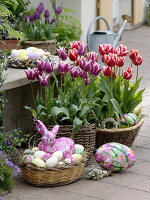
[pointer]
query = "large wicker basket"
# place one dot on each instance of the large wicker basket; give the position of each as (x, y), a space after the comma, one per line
(124, 136)
(53, 176)
(86, 137)
(48, 45)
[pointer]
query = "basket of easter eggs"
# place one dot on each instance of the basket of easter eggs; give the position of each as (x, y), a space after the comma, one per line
(125, 135)
(53, 162)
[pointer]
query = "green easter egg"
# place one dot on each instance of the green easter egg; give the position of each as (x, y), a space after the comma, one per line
(79, 151)
(134, 117)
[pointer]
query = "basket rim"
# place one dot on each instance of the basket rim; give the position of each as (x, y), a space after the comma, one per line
(117, 130)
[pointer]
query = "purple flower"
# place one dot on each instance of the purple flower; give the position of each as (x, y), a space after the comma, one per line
(53, 21)
(40, 65)
(48, 67)
(36, 15)
(83, 74)
(31, 73)
(95, 69)
(85, 65)
(58, 10)
(31, 18)
(62, 53)
(75, 72)
(63, 67)
(46, 13)
(82, 49)
(8, 143)
(26, 19)
(92, 56)
(44, 79)
(87, 81)
(40, 8)
(16, 170)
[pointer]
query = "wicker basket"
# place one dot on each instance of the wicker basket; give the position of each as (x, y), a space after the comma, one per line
(124, 136)
(48, 45)
(52, 177)
(86, 137)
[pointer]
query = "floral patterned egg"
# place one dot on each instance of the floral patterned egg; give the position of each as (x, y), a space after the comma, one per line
(129, 119)
(115, 157)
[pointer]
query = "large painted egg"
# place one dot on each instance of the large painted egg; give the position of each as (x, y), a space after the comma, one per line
(129, 119)
(115, 157)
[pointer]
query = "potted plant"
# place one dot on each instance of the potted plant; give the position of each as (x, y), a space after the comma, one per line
(121, 96)
(44, 29)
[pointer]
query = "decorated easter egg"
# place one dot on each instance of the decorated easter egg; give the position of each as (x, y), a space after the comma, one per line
(67, 161)
(115, 156)
(77, 157)
(39, 162)
(129, 119)
(51, 162)
(35, 149)
(58, 154)
(79, 151)
(39, 154)
(27, 158)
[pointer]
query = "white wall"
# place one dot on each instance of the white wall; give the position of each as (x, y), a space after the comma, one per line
(84, 11)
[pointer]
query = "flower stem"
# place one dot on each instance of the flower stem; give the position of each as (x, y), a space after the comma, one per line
(33, 93)
(137, 72)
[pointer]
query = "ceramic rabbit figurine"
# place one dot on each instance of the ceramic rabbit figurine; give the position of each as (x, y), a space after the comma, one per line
(50, 144)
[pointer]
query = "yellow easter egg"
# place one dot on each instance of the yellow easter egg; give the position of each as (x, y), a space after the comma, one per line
(77, 157)
(22, 53)
(39, 162)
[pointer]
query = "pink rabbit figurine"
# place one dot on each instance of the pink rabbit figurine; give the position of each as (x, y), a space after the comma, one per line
(50, 144)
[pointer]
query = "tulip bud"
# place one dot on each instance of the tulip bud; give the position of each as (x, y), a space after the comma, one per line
(95, 69)
(75, 45)
(44, 79)
(40, 65)
(105, 49)
(138, 60)
(87, 81)
(31, 18)
(36, 15)
(127, 74)
(83, 74)
(46, 13)
(92, 56)
(31, 73)
(63, 67)
(82, 49)
(26, 19)
(62, 53)
(120, 61)
(40, 8)
(73, 54)
(53, 21)
(75, 71)
(107, 71)
(111, 59)
(133, 54)
(48, 67)
(123, 50)
(58, 10)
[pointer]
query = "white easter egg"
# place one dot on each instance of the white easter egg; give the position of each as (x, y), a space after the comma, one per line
(51, 162)
(38, 162)
(76, 157)
(67, 161)
(39, 154)
(14, 53)
(33, 55)
(61, 164)
(41, 52)
(58, 154)
(78, 147)
(35, 149)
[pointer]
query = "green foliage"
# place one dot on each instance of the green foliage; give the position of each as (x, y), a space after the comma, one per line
(6, 179)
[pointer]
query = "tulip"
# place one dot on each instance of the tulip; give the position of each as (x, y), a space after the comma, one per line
(82, 49)
(46, 14)
(44, 79)
(40, 8)
(82, 62)
(36, 15)
(127, 74)
(123, 50)
(105, 49)
(75, 72)
(75, 44)
(120, 61)
(31, 18)
(92, 56)
(83, 74)
(73, 54)
(138, 60)
(63, 67)
(53, 21)
(95, 69)
(40, 65)
(107, 71)
(87, 81)
(133, 54)
(58, 10)
(48, 67)
(62, 53)
(116, 50)
(31, 73)
(111, 59)
(26, 19)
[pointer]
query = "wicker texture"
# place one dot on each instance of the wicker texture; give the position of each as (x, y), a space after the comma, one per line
(124, 136)
(86, 137)
(54, 176)
(48, 45)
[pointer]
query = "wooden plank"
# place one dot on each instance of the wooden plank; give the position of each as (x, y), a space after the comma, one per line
(105, 10)
(138, 11)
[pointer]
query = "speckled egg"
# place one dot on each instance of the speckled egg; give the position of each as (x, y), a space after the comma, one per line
(115, 157)
(129, 119)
